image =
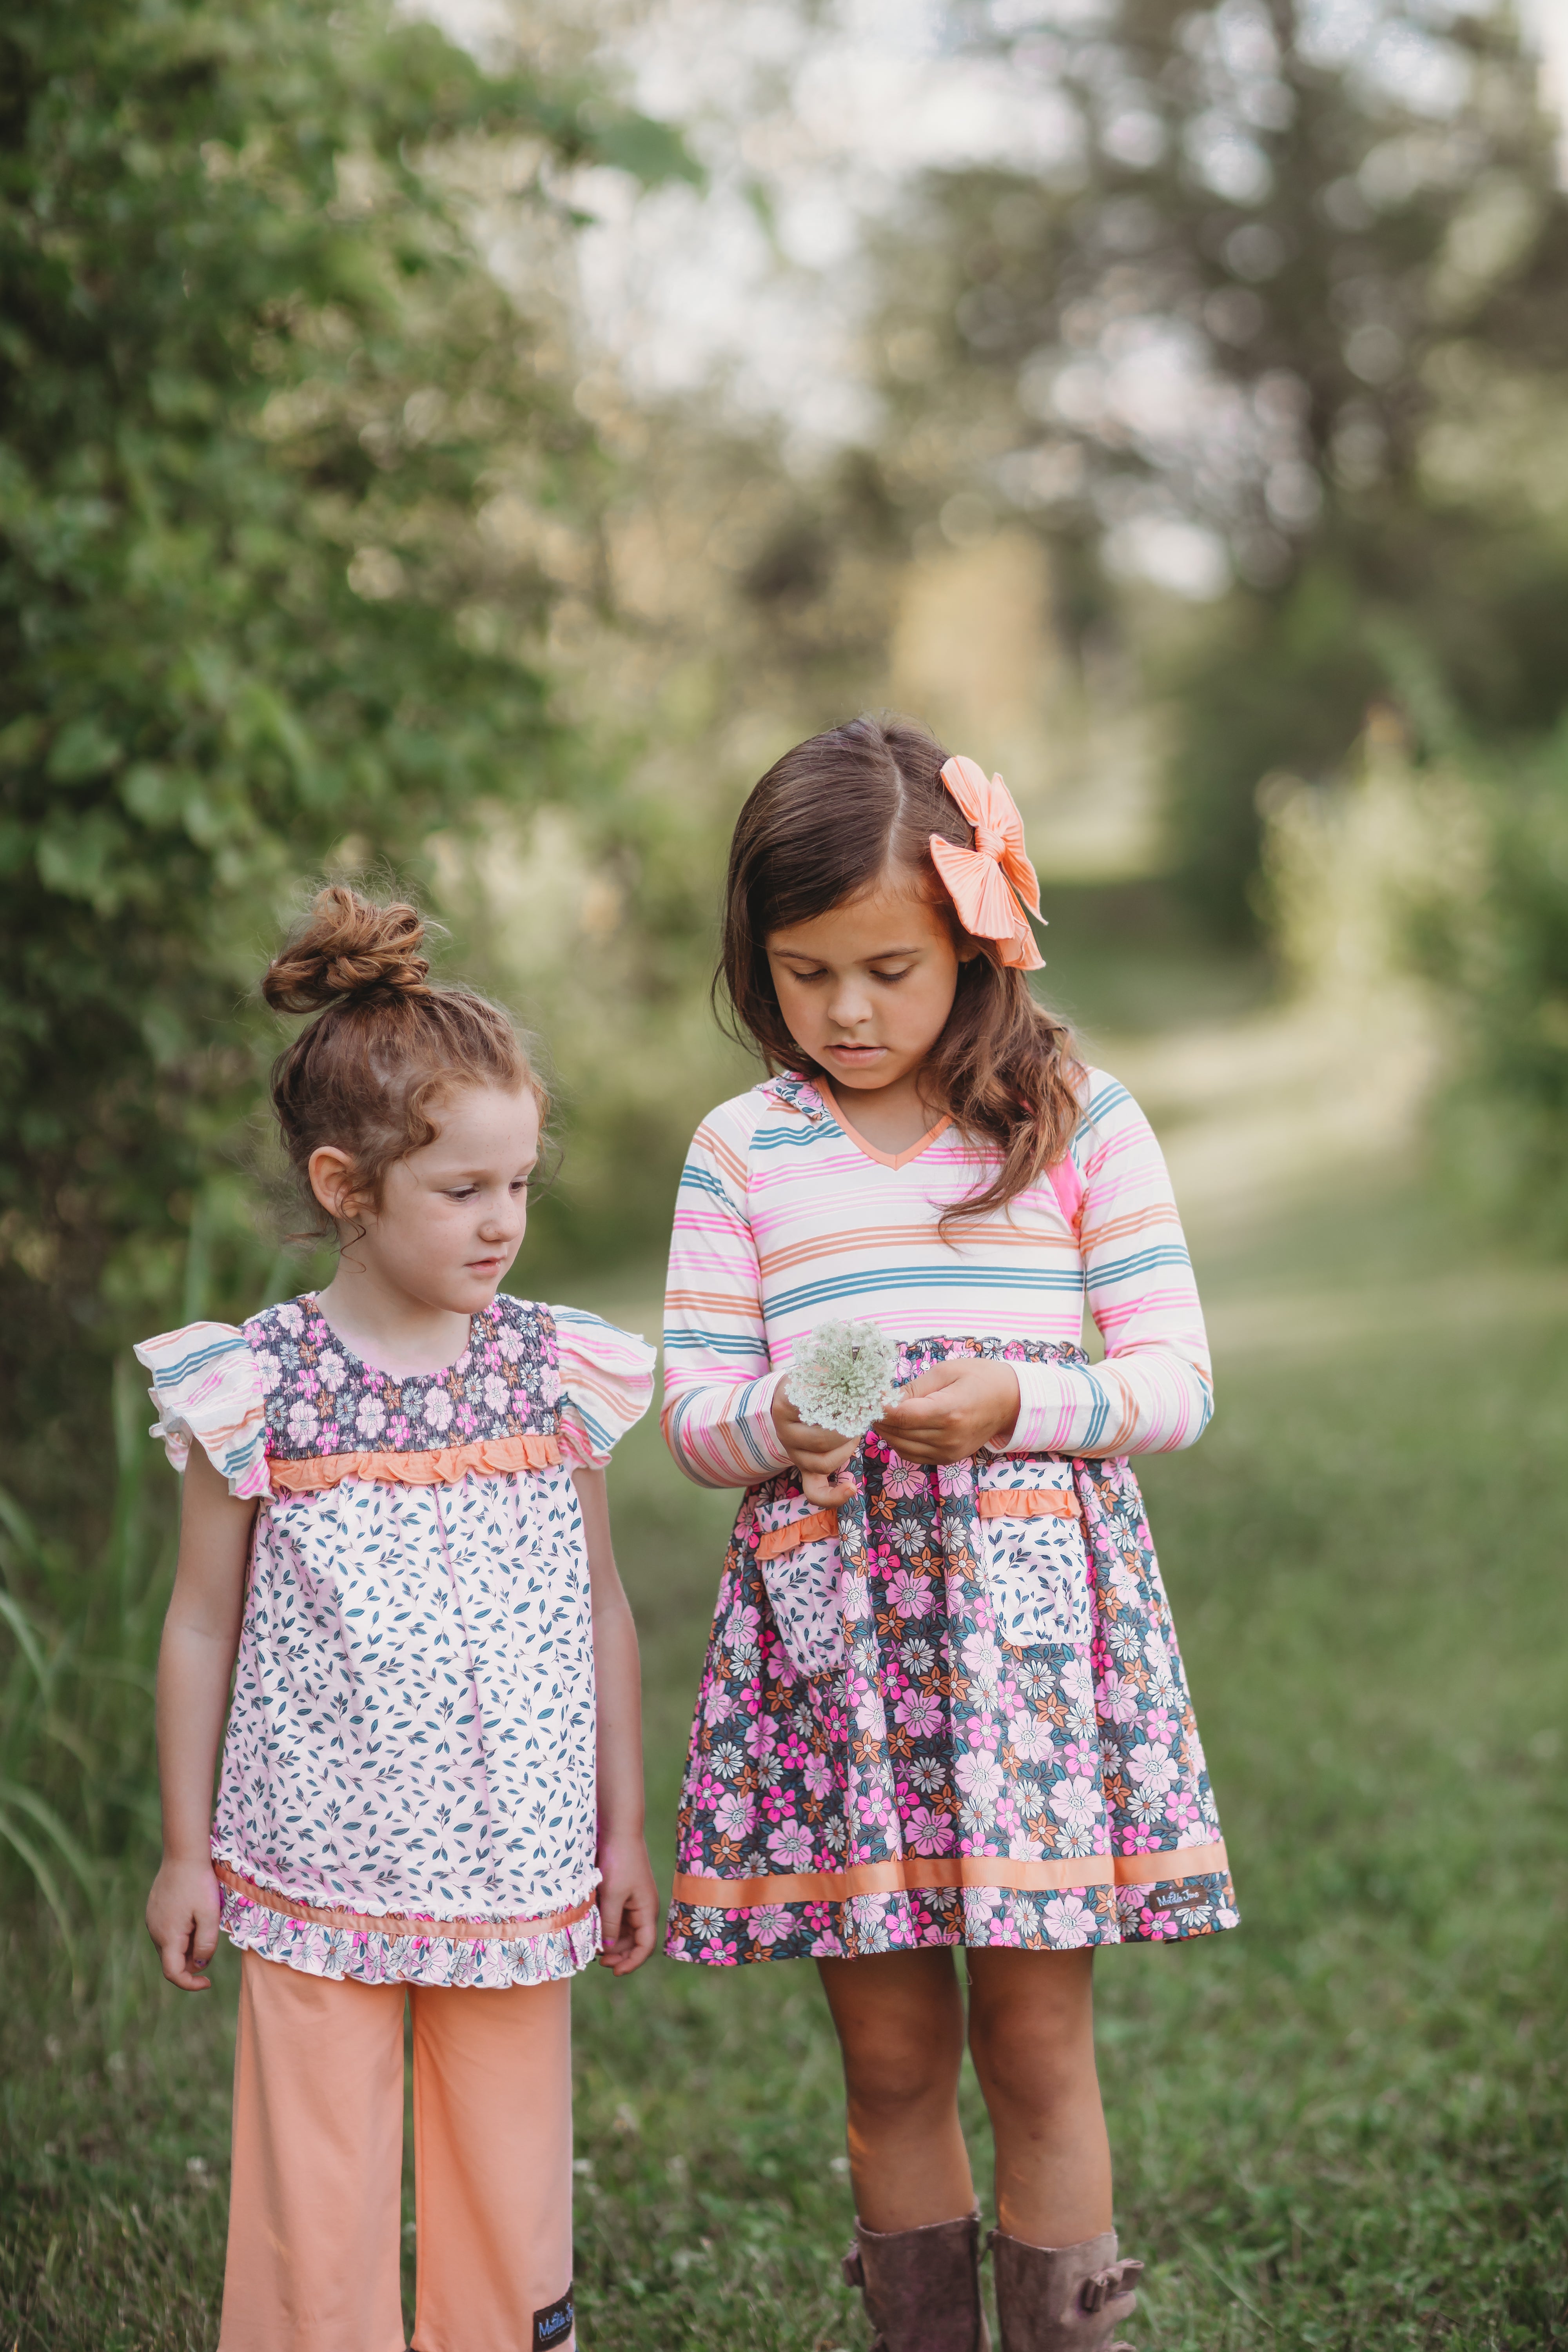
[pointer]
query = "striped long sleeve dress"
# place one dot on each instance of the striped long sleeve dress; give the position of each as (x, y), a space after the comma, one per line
(953, 1710)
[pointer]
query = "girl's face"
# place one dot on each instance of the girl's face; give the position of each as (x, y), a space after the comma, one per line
(452, 1214)
(867, 988)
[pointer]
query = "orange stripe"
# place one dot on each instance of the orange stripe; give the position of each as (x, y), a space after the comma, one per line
(400, 1922)
(1027, 1503)
(917, 1874)
(442, 1468)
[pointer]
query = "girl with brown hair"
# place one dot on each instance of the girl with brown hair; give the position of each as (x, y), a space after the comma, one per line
(943, 1705)
(396, 1540)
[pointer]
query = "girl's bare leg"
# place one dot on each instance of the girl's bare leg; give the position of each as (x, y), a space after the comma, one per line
(1031, 2035)
(900, 2020)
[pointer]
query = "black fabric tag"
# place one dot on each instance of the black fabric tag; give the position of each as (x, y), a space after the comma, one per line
(554, 2325)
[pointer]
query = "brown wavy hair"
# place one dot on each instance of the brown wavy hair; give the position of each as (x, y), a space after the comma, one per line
(387, 1046)
(826, 824)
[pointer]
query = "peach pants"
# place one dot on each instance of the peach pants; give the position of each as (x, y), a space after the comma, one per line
(315, 2209)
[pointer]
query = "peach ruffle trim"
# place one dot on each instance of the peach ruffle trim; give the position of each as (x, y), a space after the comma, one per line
(494, 1455)
(398, 1923)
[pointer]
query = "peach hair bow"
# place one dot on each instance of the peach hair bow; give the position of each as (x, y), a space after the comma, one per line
(980, 881)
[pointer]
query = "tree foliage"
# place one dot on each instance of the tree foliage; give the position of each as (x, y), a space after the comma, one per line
(261, 406)
(1276, 248)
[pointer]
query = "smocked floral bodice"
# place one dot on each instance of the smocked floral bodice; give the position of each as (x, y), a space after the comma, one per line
(323, 1400)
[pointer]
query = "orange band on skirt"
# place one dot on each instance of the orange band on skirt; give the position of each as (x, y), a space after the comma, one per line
(494, 1455)
(915, 1871)
(811, 1529)
(399, 1923)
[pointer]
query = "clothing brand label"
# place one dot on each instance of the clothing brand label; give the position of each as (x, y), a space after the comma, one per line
(554, 2325)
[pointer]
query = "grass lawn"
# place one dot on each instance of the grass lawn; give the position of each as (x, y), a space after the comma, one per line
(1344, 2126)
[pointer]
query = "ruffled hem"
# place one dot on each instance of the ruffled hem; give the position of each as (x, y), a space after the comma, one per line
(445, 1465)
(372, 1956)
(978, 1917)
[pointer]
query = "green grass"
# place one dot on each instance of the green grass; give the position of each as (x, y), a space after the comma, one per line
(1342, 2126)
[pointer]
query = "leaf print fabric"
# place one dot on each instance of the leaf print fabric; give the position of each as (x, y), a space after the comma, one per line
(993, 1743)
(407, 1791)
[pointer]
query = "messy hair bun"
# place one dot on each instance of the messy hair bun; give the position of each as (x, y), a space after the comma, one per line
(386, 1047)
(347, 947)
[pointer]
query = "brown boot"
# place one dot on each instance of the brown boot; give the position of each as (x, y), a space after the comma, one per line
(1063, 2298)
(922, 2286)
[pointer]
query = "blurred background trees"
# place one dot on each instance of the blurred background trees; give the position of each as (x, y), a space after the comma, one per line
(1193, 448)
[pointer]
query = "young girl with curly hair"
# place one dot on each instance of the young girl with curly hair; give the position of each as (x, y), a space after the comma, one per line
(396, 1545)
(943, 1705)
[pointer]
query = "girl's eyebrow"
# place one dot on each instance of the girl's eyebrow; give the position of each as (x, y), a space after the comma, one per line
(877, 955)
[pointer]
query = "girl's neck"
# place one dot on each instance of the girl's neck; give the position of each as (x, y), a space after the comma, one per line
(892, 1119)
(380, 1323)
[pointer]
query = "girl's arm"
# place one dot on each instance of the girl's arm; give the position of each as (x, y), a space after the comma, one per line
(628, 1899)
(718, 1383)
(195, 1662)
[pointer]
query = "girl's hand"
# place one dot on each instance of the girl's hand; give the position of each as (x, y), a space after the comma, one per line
(628, 1904)
(181, 1919)
(953, 1411)
(819, 1455)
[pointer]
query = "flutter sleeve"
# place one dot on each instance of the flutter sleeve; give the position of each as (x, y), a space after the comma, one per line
(1153, 1392)
(206, 1389)
(606, 1380)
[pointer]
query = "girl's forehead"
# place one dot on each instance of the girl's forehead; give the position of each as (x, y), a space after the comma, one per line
(899, 913)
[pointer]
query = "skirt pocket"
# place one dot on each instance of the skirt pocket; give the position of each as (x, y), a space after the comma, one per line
(801, 1568)
(1036, 1563)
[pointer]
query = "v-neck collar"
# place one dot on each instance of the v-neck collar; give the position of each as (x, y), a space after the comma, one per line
(882, 1158)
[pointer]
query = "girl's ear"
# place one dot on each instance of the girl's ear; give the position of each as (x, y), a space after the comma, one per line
(331, 1172)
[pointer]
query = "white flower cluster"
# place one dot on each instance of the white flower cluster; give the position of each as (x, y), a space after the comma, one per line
(843, 1376)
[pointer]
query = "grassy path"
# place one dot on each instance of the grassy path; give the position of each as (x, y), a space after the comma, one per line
(1345, 2125)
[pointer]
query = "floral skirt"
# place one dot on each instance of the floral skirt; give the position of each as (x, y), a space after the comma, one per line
(952, 1712)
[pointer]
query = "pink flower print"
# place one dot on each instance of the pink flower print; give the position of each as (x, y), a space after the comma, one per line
(875, 1808)
(437, 1411)
(791, 1846)
(979, 1776)
(909, 1593)
(291, 1319)
(551, 1387)
(1078, 1758)
(332, 1370)
(372, 1418)
(496, 1392)
(397, 1433)
(929, 1832)
(762, 1739)
(735, 1814)
(303, 1421)
(1160, 1725)
(269, 1367)
(981, 1657)
(770, 1924)
(792, 1752)
(1140, 1840)
(954, 1478)
(778, 1803)
(742, 1629)
(854, 1597)
(718, 1706)
(827, 1947)
(467, 1419)
(1031, 1739)
(1074, 1801)
(707, 1792)
(1151, 1767)
(902, 1479)
(1067, 1924)
(1118, 1699)
(1078, 1684)
(817, 1775)
(509, 1344)
(919, 1712)
(1009, 1820)
(1182, 1812)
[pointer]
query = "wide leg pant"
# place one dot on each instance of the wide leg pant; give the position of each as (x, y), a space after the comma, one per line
(314, 2228)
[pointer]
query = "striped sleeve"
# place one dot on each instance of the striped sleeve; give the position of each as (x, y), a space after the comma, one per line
(719, 1381)
(208, 1392)
(1153, 1392)
(606, 1379)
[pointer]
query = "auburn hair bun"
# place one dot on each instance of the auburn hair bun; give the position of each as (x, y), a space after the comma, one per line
(350, 947)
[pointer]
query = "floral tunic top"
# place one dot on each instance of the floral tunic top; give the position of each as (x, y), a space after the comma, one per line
(408, 1776)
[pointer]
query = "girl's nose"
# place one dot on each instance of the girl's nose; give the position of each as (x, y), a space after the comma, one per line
(847, 1008)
